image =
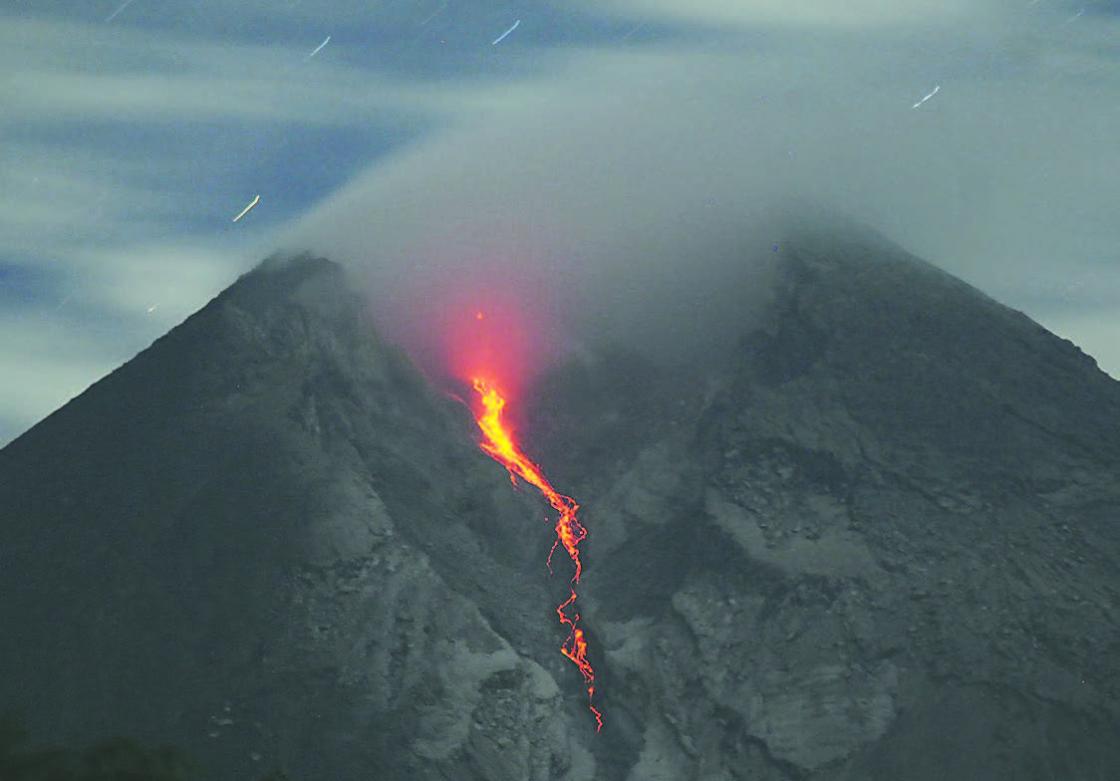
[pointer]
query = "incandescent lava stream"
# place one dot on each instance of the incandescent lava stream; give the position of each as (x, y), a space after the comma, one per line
(500, 445)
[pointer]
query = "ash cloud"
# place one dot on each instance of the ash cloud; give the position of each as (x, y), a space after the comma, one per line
(642, 187)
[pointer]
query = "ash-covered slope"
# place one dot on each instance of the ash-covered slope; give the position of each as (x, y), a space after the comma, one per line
(266, 541)
(880, 543)
(883, 545)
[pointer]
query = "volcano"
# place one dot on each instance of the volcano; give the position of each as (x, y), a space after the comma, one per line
(875, 540)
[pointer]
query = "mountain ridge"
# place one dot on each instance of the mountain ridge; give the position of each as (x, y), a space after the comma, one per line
(878, 542)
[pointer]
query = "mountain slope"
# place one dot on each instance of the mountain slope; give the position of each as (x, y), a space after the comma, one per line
(883, 544)
(878, 542)
(267, 540)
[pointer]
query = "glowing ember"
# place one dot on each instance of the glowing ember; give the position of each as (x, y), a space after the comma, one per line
(500, 445)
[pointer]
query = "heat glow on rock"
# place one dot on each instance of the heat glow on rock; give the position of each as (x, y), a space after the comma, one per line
(495, 322)
(499, 444)
(501, 316)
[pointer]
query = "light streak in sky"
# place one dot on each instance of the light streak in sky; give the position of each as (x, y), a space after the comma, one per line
(501, 37)
(245, 211)
(123, 6)
(936, 89)
(319, 48)
(635, 29)
(434, 14)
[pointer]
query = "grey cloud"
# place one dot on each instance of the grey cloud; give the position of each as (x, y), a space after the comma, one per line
(856, 14)
(633, 169)
(633, 176)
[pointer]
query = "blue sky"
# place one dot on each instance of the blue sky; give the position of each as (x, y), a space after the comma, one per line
(133, 133)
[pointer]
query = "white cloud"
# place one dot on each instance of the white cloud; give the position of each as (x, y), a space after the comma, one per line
(856, 14)
(615, 173)
(45, 360)
(59, 70)
(56, 200)
(176, 279)
(50, 354)
(104, 221)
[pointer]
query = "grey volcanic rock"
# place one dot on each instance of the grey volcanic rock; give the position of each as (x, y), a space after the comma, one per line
(880, 542)
(883, 544)
(267, 541)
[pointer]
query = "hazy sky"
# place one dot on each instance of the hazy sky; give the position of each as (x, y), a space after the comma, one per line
(612, 142)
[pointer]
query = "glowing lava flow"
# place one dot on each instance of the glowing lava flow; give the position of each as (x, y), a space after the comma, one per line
(500, 446)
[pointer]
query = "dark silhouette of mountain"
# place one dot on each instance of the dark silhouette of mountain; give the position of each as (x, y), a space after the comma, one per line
(879, 542)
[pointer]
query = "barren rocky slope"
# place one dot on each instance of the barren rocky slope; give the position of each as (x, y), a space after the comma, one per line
(267, 541)
(880, 542)
(885, 544)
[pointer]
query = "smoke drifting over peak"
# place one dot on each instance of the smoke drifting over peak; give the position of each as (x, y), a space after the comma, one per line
(639, 196)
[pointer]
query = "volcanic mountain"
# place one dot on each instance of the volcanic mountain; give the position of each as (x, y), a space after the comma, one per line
(877, 541)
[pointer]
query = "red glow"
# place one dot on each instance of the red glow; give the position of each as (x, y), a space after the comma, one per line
(463, 309)
(500, 445)
(484, 305)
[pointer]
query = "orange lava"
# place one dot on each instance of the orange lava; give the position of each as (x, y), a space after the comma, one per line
(499, 444)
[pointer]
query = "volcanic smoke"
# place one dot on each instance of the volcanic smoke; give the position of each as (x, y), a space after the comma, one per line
(499, 444)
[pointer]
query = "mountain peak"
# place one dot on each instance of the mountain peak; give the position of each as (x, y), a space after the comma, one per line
(285, 277)
(879, 543)
(267, 311)
(268, 493)
(928, 363)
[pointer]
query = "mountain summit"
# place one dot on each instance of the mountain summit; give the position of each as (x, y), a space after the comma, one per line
(267, 540)
(882, 544)
(878, 542)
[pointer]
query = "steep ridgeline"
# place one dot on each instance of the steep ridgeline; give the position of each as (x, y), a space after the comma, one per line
(883, 545)
(880, 542)
(267, 541)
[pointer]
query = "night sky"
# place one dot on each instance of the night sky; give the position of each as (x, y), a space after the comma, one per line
(133, 133)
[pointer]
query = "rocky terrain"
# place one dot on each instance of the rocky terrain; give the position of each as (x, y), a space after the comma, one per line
(878, 541)
(891, 552)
